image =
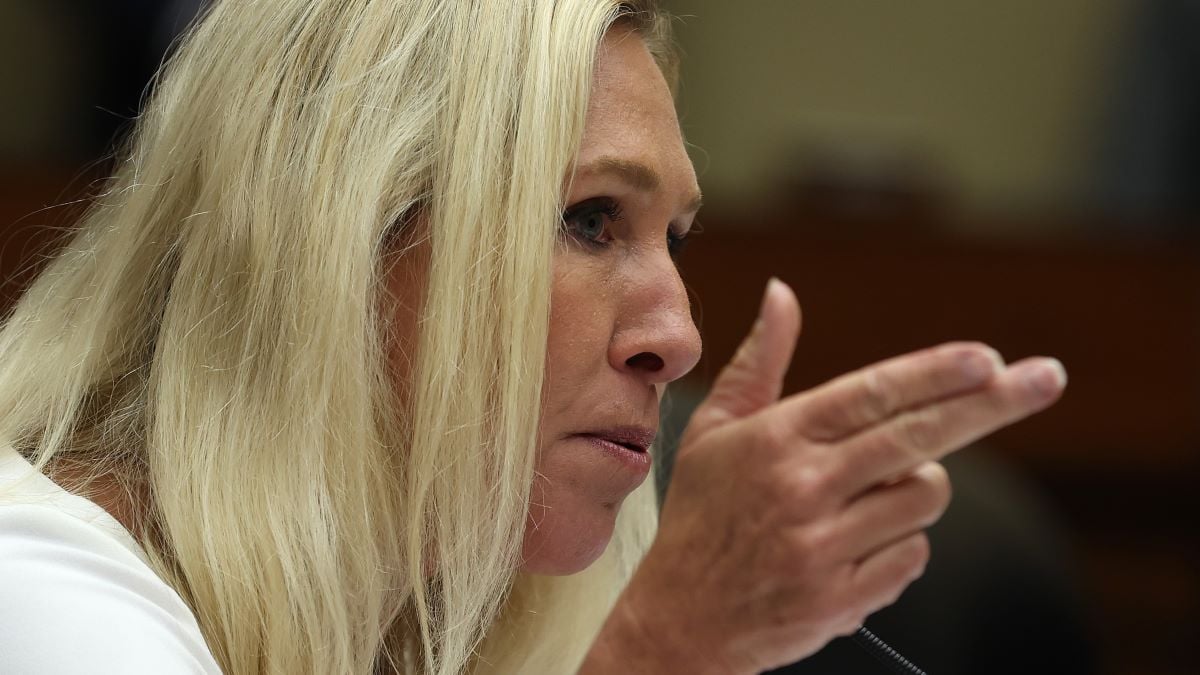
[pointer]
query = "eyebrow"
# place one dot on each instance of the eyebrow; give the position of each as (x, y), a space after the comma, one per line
(637, 175)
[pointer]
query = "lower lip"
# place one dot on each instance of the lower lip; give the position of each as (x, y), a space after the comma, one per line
(634, 460)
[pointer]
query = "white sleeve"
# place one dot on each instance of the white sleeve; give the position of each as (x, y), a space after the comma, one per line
(73, 600)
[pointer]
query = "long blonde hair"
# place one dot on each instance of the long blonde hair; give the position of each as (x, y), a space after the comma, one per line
(214, 338)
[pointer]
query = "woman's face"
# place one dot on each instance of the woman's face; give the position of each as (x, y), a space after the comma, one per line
(620, 324)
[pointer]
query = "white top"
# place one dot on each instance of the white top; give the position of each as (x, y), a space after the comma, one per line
(76, 593)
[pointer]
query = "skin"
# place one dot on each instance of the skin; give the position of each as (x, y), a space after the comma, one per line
(789, 520)
(620, 321)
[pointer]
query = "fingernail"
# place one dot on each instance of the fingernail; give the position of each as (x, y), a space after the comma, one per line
(771, 283)
(1048, 378)
(979, 368)
(762, 306)
(747, 345)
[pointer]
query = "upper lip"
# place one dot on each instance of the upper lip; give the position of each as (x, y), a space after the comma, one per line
(632, 437)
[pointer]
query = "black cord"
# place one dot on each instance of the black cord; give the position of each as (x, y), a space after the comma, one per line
(885, 654)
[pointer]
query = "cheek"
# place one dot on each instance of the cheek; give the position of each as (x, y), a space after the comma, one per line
(582, 314)
(571, 520)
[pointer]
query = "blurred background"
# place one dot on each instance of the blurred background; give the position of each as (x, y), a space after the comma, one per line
(1025, 173)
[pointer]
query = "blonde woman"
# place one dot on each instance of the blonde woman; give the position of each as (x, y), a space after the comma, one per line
(355, 362)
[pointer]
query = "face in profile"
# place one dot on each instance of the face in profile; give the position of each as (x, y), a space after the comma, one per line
(620, 322)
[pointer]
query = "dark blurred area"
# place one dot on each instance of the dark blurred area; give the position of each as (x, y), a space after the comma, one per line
(72, 76)
(1023, 173)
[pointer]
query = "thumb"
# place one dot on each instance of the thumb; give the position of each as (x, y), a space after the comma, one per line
(753, 379)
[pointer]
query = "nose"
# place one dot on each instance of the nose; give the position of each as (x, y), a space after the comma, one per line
(655, 338)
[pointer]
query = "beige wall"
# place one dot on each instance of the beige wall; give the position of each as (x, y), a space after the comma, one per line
(1002, 97)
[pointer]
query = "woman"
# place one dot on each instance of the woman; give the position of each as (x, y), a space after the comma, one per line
(289, 362)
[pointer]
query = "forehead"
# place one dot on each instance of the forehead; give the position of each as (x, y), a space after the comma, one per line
(631, 114)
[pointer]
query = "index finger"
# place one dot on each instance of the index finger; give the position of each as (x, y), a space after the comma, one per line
(896, 448)
(854, 402)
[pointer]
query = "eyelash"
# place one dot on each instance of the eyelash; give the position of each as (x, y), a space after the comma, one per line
(611, 209)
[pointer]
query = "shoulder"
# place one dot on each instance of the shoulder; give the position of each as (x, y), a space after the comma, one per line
(74, 598)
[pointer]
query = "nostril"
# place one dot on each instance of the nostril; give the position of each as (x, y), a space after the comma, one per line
(647, 361)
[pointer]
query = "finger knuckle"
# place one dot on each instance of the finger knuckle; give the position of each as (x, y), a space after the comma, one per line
(819, 539)
(940, 488)
(916, 555)
(928, 496)
(920, 431)
(887, 596)
(799, 560)
(895, 592)
(937, 475)
(855, 612)
(774, 434)
(849, 624)
(950, 353)
(808, 487)
(831, 611)
(879, 393)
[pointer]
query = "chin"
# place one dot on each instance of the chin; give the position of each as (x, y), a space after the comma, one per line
(558, 546)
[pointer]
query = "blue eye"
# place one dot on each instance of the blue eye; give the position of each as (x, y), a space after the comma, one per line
(588, 221)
